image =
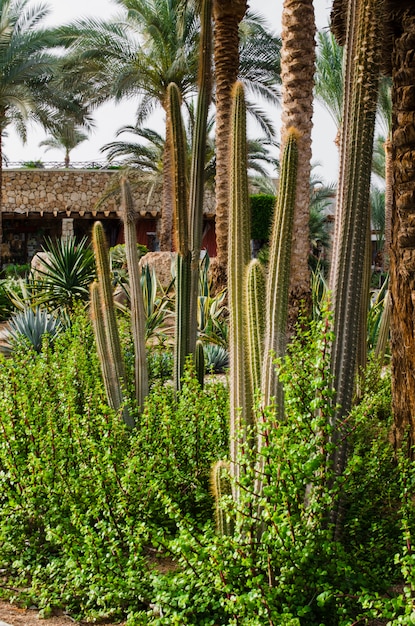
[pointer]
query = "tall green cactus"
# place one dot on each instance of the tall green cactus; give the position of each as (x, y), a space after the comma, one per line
(220, 485)
(188, 208)
(181, 231)
(361, 78)
(255, 298)
(251, 361)
(197, 168)
(108, 340)
(136, 296)
(241, 415)
(111, 382)
(279, 271)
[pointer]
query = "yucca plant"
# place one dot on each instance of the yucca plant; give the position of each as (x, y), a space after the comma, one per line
(29, 327)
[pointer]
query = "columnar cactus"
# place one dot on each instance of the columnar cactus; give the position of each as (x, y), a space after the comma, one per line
(111, 382)
(362, 53)
(108, 340)
(136, 296)
(181, 231)
(197, 169)
(200, 363)
(279, 271)
(255, 298)
(251, 354)
(241, 416)
(220, 485)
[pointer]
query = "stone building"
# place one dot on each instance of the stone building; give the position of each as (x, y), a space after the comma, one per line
(41, 203)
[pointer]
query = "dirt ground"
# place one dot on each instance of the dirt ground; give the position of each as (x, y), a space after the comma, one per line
(15, 616)
(12, 614)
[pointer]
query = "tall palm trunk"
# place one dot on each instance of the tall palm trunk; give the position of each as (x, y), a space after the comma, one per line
(297, 75)
(227, 15)
(402, 250)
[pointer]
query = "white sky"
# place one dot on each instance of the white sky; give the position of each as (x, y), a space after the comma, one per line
(111, 117)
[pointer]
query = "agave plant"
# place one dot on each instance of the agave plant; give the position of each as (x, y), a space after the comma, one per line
(211, 311)
(216, 358)
(66, 273)
(29, 327)
(158, 303)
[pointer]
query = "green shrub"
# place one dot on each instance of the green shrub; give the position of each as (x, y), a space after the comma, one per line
(262, 209)
(16, 270)
(79, 494)
(297, 574)
(6, 305)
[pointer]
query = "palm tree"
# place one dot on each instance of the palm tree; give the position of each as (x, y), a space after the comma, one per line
(145, 148)
(297, 74)
(65, 136)
(151, 45)
(227, 15)
(249, 53)
(401, 66)
(329, 75)
(29, 73)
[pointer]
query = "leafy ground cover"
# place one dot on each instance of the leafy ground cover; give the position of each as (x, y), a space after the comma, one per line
(104, 523)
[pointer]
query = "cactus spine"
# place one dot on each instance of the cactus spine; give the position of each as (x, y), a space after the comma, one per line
(255, 298)
(136, 296)
(180, 217)
(361, 84)
(108, 331)
(241, 417)
(279, 271)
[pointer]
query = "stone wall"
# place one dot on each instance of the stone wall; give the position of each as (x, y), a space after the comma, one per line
(74, 192)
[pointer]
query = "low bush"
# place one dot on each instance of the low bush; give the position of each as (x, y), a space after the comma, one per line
(79, 494)
(283, 564)
(107, 522)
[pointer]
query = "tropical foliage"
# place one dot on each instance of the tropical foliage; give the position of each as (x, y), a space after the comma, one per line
(66, 271)
(65, 136)
(280, 499)
(31, 88)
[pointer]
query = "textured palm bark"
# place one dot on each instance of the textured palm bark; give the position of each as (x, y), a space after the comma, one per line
(402, 251)
(297, 75)
(227, 15)
(388, 200)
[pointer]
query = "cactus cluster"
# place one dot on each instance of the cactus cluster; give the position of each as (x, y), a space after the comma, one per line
(104, 318)
(257, 332)
(188, 219)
